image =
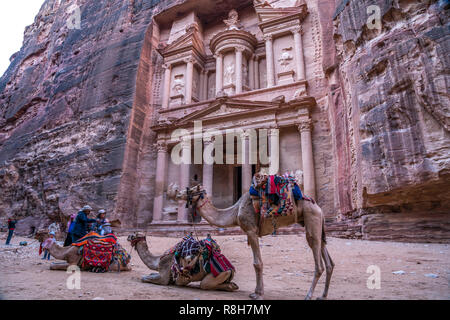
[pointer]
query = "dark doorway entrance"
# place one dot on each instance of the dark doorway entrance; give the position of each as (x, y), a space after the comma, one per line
(237, 183)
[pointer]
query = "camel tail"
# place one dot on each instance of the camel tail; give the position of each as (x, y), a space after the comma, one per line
(324, 237)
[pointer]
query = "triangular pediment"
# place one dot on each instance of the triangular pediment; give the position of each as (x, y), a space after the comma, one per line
(221, 108)
(190, 40)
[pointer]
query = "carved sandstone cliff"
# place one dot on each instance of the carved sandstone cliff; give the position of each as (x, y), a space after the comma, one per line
(389, 92)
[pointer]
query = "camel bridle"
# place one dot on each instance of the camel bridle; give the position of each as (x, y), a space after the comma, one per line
(190, 196)
(136, 240)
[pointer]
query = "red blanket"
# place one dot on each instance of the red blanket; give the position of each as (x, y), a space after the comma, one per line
(97, 254)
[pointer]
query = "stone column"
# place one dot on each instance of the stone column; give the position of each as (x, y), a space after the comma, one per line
(219, 72)
(185, 167)
(208, 171)
(205, 85)
(270, 62)
(308, 159)
(246, 165)
(257, 81)
(274, 147)
(299, 55)
(251, 73)
(189, 80)
(239, 51)
(167, 78)
(160, 180)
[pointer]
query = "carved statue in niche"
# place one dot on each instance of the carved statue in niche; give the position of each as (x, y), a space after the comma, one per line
(233, 22)
(286, 58)
(229, 74)
(245, 74)
(178, 85)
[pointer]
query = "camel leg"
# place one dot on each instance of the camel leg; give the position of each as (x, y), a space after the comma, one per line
(59, 266)
(329, 266)
(158, 278)
(258, 265)
(217, 283)
(315, 245)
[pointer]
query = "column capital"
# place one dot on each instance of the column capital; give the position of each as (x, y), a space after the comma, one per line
(207, 140)
(305, 126)
(273, 131)
(189, 60)
(167, 66)
(297, 29)
(240, 49)
(218, 55)
(268, 37)
(161, 146)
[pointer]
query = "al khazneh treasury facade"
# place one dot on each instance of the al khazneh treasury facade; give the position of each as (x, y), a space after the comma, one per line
(246, 72)
(93, 115)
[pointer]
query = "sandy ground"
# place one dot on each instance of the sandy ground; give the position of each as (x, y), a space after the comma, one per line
(288, 271)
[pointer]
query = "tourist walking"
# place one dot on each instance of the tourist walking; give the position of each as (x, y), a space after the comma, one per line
(11, 227)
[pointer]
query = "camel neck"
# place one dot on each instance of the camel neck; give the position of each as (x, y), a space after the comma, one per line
(151, 261)
(222, 218)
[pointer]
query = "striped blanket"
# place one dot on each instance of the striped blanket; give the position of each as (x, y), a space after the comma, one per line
(211, 258)
(93, 236)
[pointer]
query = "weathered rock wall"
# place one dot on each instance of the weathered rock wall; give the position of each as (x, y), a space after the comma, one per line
(390, 101)
(66, 103)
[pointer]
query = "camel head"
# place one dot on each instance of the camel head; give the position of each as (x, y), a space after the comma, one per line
(41, 235)
(191, 195)
(259, 179)
(172, 191)
(135, 238)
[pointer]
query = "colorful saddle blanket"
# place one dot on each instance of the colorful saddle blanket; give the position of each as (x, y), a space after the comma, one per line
(277, 196)
(94, 236)
(212, 260)
(97, 254)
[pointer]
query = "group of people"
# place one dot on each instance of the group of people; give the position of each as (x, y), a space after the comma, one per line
(80, 224)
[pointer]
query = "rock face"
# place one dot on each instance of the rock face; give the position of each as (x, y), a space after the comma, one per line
(76, 109)
(390, 98)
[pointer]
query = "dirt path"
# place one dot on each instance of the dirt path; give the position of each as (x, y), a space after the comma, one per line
(288, 270)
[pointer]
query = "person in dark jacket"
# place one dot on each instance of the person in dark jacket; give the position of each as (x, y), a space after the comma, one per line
(81, 223)
(11, 228)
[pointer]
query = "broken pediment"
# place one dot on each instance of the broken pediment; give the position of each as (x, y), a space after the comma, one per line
(266, 13)
(191, 40)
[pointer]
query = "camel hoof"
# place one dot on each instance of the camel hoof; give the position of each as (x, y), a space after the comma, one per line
(255, 296)
(308, 298)
(321, 298)
(233, 286)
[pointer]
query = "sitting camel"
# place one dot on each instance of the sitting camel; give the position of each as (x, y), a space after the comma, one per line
(163, 264)
(243, 214)
(72, 256)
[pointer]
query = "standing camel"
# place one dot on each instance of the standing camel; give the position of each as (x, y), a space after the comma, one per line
(242, 214)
